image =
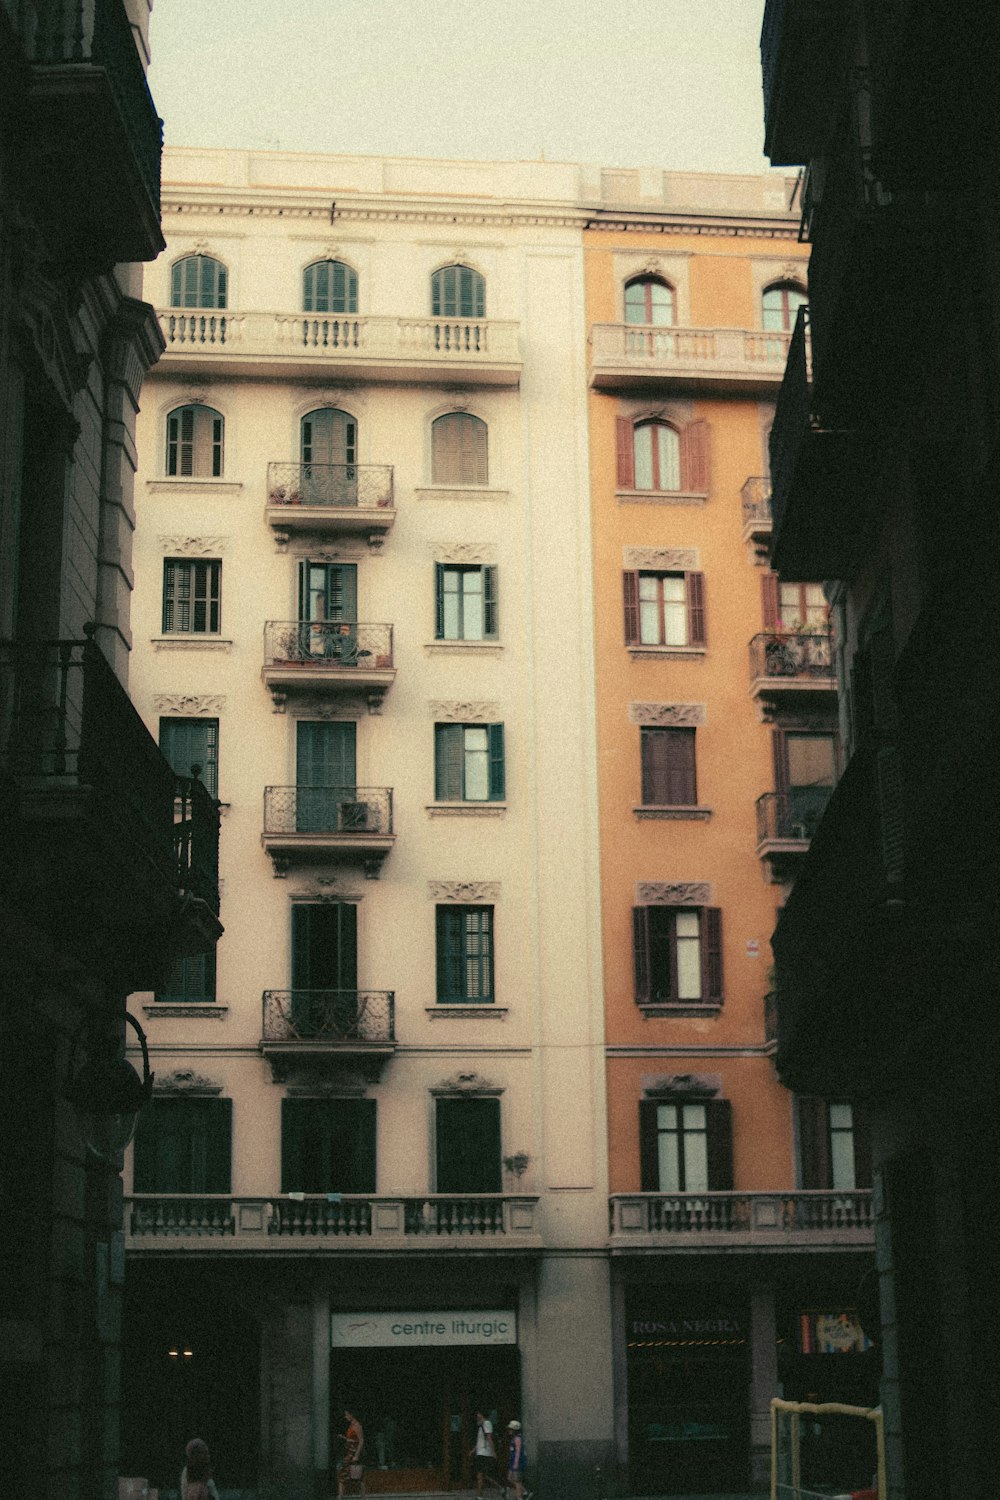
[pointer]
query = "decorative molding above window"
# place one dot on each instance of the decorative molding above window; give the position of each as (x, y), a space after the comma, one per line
(464, 892)
(678, 413)
(464, 552)
(306, 706)
(663, 559)
(347, 551)
(673, 893)
(326, 888)
(681, 1085)
(193, 546)
(185, 1081)
(346, 1083)
(443, 712)
(466, 1083)
(189, 704)
(680, 715)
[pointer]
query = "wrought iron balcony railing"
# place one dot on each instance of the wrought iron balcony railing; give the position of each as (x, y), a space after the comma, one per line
(196, 840)
(792, 654)
(688, 1220)
(337, 1220)
(337, 645)
(790, 817)
(333, 1018)
(340, 486)
(358, 811)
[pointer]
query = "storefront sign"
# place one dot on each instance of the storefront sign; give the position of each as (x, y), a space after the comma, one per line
(409, 1330)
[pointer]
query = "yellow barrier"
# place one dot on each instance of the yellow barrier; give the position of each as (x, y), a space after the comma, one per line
(786, 1449)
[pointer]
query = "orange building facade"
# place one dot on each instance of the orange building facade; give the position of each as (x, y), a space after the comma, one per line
(740, 1215)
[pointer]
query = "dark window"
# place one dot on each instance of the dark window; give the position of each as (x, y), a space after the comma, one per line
(191, 596)
(648, 300)
(653, 455)
(465, 954)
(780, 305)
(184, 1146)
(458, 292)
(677, 952)
(459, 449)
(328, 1146)
(468, 763)
(465, 603)
(664, 609)
(834, 1144)
(668, 767)
(328, 286)
(805, 770)
(195, 442)
(198, 281)
(686, 1146)
(191, 979)
(324, 1000)
(468, 1146)
(192, 742)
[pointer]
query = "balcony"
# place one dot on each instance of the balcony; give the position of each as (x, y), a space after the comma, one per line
(90, 150)
(348, 824)
(330, 500)
(755, 499)
(801, 45)
(311, 1224)
(691, 1223)
(325, 1025)
(792, 668)
(724, 361)
(786, 821)
(472, 351)
(815, 512)
(328, 656)
(105, 847)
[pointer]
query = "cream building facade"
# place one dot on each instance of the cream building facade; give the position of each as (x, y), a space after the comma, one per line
(362, 564)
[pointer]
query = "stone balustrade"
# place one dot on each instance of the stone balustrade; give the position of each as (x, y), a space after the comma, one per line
(748, 1221)
(722, 359)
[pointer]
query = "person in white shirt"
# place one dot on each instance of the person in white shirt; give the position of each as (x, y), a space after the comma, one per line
(484, 1454)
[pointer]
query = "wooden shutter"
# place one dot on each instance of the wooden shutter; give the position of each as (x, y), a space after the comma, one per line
(217, 1123)
(649, 1154)
(490, 612)
(681, 784)
(497, 781)
(655, 776)
(468, 1146)
(710, 932)
(719, 1124)
(360, 1156)
(779, 757)
(324, 946)
(695, 587)
(450, 953)
(862, 1132)
(695, 473)
(292, 1111)
(640, 953)
(626, 454)
(449, 752)
(630, 582)
(815, 1168)
(770, 600)
(438, 602)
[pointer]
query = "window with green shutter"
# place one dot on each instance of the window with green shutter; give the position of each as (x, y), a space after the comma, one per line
(469, 763)
(465, 603)
(187, 743)
(329, 286)
(465, 955)
(192, 979)
(184, 1146)
(328, 1146)
(191, 596)
(198, 281)
(468, 1146)
(458, 292)
(195, 442)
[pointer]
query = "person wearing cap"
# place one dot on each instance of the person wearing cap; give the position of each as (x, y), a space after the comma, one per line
(516, 1462)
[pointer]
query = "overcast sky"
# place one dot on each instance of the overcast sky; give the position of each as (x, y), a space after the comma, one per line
(660, 83)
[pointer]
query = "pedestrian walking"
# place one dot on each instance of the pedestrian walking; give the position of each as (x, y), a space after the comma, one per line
(350, 1471)
(484, 1454)
(516, 1462)
(196, 1476)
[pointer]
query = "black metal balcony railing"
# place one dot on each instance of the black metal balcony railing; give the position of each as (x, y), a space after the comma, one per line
(336, 1017)
(328, 643)
(97, 32)
(791, 653)
(196, 840)
(344, 486)
(791, 816)
(328, 809)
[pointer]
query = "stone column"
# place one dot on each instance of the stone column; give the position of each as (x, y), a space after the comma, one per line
(572, 1447)
(763, 1383)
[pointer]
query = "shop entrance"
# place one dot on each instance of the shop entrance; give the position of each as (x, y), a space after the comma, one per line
(418, 1411)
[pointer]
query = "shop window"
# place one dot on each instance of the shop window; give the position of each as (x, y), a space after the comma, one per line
(664, 609)
(469, 763)
(329, 286)
(189, 743)
(183, 1146)
(195, 443)
(467, 1135)
(328, 1146)
(459, 449)
(465, 954)
(677, 955)
(686, 1147)
(191, 596)
(668, 767)
(465, 603)
(660, 457)
(834, 1144)
(198, 281)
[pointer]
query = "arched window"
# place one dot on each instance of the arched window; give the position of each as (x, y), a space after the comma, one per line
(458, 449)
(329, 458)
(649, 300)
(329, 286)
(198, 281)
(657, 457)
(194, 442)
(458, 292)
(780, 304)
